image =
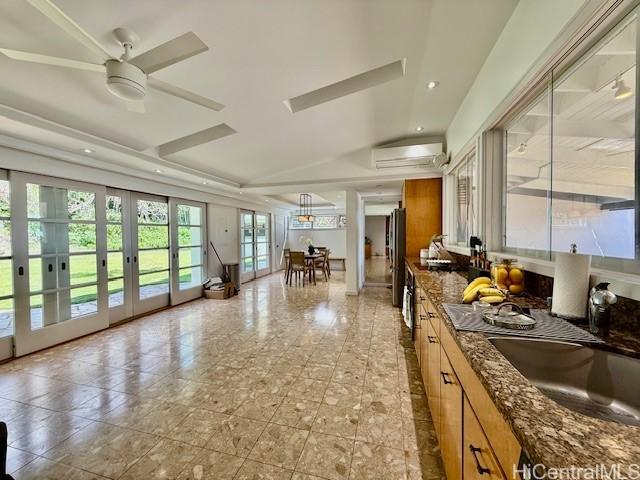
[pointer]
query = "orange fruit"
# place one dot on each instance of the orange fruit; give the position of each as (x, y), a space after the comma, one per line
(502, 286)
(516, 289)
(516, 275)
(501, 275)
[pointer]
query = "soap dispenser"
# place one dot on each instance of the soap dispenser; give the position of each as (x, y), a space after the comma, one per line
(600, 301)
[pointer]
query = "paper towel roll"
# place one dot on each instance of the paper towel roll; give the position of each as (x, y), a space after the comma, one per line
(571, 285)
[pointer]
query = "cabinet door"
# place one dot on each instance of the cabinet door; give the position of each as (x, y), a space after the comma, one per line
(450, 419)
(427, 334)
(479, 460)
(433, 375)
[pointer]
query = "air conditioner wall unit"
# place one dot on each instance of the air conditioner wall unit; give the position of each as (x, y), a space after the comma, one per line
(426, 155)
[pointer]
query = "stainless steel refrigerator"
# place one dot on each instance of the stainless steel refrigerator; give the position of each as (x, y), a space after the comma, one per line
(398, 246)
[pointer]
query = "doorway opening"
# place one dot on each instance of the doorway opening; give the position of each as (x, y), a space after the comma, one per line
(376, 250)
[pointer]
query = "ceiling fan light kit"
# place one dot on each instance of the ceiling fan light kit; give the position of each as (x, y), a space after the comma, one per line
(125, 80)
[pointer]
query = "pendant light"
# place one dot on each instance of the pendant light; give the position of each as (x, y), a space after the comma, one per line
(305, 214)
(621, 90)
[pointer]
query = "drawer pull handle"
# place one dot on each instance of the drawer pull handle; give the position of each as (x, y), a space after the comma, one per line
(474, 451)
(445, 378)
(432, 315)
(422, 317)
(431, 339)
(422, 299)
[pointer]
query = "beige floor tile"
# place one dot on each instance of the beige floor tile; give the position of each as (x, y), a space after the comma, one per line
(326, 455)
(375, 461)
(308, 389)
(380, 429)
(162, 419)
(165, 461)
(50, 432)
(43, 469)
(236, 436)
(296, 412)
(279, 445)
(198, 427)
(259, 471)
(17, 459)
(335, 420)
(103, 449)
(343, 395)
(318, 371)
(262, 407)
(212, 466)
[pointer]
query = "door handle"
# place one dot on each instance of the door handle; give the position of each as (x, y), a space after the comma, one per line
(431, 339)
(445, 378)
(128, 259)
(474, 451)
(135, 259)
(50, 268)
(63, 266)
(20, 271)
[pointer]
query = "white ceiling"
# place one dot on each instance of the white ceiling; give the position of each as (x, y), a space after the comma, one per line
(261, 53)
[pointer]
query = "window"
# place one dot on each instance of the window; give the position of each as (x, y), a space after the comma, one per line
(6, 262)
(570, 160)
(320, 222)
(466, 191)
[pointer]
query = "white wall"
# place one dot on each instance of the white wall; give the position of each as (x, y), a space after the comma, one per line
(532, 28)
(375, 228)
(334, 240)
(223, 225)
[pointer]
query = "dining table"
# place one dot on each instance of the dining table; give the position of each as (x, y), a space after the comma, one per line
(311, 258)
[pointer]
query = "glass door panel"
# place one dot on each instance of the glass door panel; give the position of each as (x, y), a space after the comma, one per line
(188, 242)
(119, 254)
(263, 244)
(60, 239)
(247, 247)
(6, 270)
(151, 267)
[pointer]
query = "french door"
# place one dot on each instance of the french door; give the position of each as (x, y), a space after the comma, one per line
(151, 268)
(188, 249)
(255, 245)
(119, 256)
(60, 258)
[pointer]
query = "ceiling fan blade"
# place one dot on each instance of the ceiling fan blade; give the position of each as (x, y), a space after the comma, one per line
(184, 94)
(57, 16)
(204, 136)
(137, 107)
(173, 51)
(49, 60)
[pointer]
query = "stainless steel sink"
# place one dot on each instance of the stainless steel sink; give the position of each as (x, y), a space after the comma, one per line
(593, 382)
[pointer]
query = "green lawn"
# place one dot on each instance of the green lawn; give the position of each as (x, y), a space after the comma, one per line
(83, 269)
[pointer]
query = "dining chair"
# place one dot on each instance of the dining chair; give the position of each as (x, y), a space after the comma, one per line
(287, 264)
(323, 263)
(298, 265)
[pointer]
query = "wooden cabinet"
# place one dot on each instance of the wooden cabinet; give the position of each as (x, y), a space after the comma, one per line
(422, 199)
(475, 439)
(432, 381)
(479, 461)
(450, 419)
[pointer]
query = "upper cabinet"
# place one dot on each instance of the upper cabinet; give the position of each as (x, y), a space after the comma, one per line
(422, 200)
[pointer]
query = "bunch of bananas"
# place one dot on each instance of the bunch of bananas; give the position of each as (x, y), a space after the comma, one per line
(481, 288)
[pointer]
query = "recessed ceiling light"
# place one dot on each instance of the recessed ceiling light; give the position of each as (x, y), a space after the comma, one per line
(419, 129)
(240, 193)
(87, 150)
(205, 183)
(432, 84)
(158, 170)
(267, 200)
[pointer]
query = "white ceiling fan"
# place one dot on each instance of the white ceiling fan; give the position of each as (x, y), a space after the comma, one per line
(127, 76)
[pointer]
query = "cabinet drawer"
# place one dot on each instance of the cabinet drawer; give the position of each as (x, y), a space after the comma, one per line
(479, 460)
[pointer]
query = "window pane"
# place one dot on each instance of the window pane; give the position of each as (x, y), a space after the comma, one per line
(35, 311)
(116, 293)
(262, 248)
(114, 236)
(247, 249)
(83, 269)
(6, 278)
(189, 215)
(6, 317)
(81, 205)
(5, 203)
(84, 301)
(35, 275)
(190, 277)
(294, 224)
(466, 189)
(5, 238)
(594, 151)
(261, 235)
(263, 263)
(152, 212)
(247, 264)
(247, 219)
(82, 237)
(528, 180)
(189, 236)
(325, 221)
(114, 208)
(151, 260)
(153, 284)
(247, 235)
(115, 264)
(152, 236)
(190, 256)
(261, 221)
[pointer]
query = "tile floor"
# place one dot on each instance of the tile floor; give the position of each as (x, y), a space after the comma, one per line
(278, 383)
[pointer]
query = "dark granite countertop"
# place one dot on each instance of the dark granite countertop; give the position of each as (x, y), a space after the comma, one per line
(549, 433)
